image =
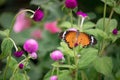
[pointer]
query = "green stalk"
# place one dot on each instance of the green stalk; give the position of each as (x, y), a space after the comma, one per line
(71, 18)
(76, 63)
(104, 15)
(6, 68)
(58, 69)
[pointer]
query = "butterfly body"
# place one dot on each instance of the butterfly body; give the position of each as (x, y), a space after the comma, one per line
(74, 38)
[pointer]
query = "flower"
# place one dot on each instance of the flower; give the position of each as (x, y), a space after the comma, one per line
(21, 66)
(71, 4)
(52, 27)
(33, 55)
(18, 53)
(115, 31)
(22, 22)
(30, 45)
(56, 55)
(72, 29)
(38, 15)
(37, 34)
(54, 77)
(81, 14)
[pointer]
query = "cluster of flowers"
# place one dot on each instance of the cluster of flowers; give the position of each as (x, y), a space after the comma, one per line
(31, 45)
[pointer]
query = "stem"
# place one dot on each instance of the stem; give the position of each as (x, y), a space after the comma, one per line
(75, 60)
(79, 21)
(104, 15)
(12, 24)
(53, 71)
(14, 44)
(71, 18)
(81, 24)
(26, 75)
(58, 69)
(5, 72)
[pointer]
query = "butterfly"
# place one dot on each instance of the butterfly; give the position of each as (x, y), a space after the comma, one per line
(74, 38)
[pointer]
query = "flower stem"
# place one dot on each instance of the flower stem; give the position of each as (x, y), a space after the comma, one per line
(58, 69)
(6, 68)
(14, 44)
(71, 18)
(104, 15)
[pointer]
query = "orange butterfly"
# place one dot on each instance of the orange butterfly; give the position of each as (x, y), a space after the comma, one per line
(75, 38)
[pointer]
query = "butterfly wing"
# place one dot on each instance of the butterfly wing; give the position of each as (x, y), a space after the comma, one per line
(70, 38)
(83, 39)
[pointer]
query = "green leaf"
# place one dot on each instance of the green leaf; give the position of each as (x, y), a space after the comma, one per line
(103, 65)
(13, 63)
(117, 9)
(6, 47)
(109, 2)
(63, 75)
(88, 55)
(4, 33)
(19, 76)
(65, 49)
(65, 24)
(98, 33)
(112, 24)
(88, 25)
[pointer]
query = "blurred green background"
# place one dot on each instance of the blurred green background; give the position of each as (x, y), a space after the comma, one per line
(53, 12)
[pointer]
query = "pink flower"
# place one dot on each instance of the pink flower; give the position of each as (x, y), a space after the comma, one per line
(54, 77)
(33, 55)
(52, 27)
(30, 45)
(37, 34)
(56, 55)
(22, 22)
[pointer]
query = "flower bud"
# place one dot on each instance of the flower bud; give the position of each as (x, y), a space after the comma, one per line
(21, 66)
(54, 77)
(71, 4)
(30, 45)
(81, 14)
(115, 31)
(33, 55)
(38, 15)
(56, 55)
(18, 53)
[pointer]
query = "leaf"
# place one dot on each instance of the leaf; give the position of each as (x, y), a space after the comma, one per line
(63, 75)
(4, 33)
(109, 2)
(65, 24)
(112, 24)
(6, 47)
(103, 65)
(88, 25)
(97, 33)
(88, 55)
(18, 76)
(13, 63)
(65, 49)
(117, 9)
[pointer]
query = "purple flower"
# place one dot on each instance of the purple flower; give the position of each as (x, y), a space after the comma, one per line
(38, 15)
(115, 31)
(71, 4)
(18, 53)
(33, 55)
(54, 77)
(81, 14)
(56, 55)
(30, 45)
(21, 66)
